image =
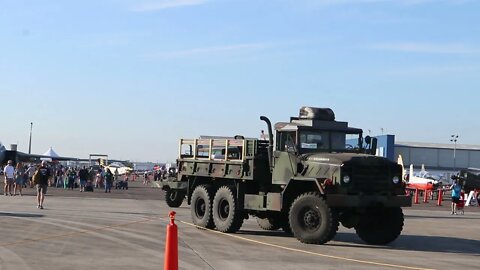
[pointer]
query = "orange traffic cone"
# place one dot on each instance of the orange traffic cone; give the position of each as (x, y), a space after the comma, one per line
(171, 245)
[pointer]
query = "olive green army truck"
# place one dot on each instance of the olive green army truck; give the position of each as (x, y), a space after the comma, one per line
(315, 174)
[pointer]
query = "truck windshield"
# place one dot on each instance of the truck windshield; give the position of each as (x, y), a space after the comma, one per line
(326, 141)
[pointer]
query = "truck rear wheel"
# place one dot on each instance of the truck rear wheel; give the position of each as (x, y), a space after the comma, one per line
(380, 227)
(311, 220)
(201, 207)
(270, 223)
(226, 211)
(174, 198)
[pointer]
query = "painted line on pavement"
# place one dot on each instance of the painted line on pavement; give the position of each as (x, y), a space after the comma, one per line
(308, 252)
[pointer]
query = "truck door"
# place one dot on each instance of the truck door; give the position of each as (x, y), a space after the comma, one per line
(285, 157)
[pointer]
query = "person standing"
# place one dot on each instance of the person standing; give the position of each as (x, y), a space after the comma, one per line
(29, 174)
(108, 180)
(19, 179)
(71, 178)
(59, 176)
(456, 189)
(9, 173)
(83, 175)
(43, 176)
(98, 179)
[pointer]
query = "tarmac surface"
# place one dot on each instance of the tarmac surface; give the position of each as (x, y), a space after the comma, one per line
(126, 229)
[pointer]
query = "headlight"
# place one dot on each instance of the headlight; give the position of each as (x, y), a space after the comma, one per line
(346, 179)
(396, 180)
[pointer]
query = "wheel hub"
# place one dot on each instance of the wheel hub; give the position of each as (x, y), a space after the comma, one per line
(200, 208)
(311, 219)
(224, 209)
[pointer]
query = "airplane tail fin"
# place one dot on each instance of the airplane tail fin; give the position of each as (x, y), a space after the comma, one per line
(400, 162)
(411, 171)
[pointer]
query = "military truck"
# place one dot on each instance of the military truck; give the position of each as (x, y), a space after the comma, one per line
(315, 174)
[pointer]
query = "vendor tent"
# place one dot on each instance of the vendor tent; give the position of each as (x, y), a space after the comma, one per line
(51, 153)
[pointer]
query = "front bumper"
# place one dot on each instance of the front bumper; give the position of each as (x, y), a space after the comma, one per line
(340, 200)
(166, 185)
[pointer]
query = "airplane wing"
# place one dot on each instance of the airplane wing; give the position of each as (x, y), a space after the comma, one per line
(24, 157)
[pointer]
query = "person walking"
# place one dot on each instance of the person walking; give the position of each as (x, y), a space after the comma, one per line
(456, 189)
(42, 180)
(108, 180)
(19, 179)
(9, 173)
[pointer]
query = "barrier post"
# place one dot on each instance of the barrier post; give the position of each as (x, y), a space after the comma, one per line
(416, 196)
(171, 245)
(440, 197)
(425, 196)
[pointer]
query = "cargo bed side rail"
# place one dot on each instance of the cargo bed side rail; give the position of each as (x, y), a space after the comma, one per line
(216, 149)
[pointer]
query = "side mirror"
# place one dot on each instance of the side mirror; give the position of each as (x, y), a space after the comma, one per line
(368, 140)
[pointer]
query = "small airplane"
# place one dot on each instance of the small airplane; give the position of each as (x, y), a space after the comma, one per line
(422, 181)
(120, 167)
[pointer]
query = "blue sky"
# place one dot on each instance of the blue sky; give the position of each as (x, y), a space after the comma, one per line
(128, 78)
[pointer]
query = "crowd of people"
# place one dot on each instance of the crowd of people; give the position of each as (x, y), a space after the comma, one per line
(41, 176)
(44, 175)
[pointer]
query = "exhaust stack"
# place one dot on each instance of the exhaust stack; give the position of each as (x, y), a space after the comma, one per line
(270, 141)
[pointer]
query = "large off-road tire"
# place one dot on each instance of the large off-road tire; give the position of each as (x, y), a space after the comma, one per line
(227, 214)
(270, 223)
(335, 224)
(174, 198)
(381, 226)
(201, 207)
(311, 220)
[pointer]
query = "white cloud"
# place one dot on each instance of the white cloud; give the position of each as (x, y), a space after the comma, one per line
(434, 70)
(236, 48)
(433, 48)
(164, 4)
(397, 2)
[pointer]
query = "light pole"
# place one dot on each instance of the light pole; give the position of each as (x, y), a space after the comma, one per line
(454, 139)
(30, 143)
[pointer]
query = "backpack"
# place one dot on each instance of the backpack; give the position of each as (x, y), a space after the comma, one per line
(36, 178)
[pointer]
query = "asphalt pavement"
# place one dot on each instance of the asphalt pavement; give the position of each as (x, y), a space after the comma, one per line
(126, 229)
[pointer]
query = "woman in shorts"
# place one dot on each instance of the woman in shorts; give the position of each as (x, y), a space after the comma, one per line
(456, 189)
(19, 179)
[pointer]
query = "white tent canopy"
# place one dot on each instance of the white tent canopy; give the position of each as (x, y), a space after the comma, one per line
(50, 153)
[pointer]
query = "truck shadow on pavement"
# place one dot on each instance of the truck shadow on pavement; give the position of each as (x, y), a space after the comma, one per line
(25, 215)
(416, 243)
(464, 216)
(278, 233)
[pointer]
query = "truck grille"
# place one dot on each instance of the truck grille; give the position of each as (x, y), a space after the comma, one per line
(371, 179)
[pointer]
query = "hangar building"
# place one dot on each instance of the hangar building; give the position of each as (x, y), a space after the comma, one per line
(447, 157)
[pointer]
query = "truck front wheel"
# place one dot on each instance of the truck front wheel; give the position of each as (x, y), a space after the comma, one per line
(201, 207)
(226, 211)
(381, 226)
(174, 198)
(311, 220)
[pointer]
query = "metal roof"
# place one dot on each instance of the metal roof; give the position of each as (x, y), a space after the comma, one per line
(437, 145)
